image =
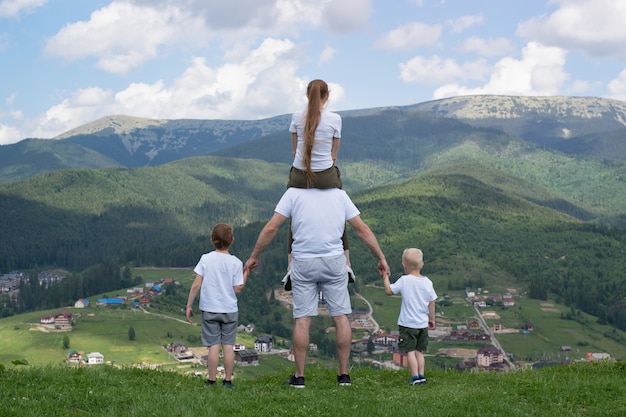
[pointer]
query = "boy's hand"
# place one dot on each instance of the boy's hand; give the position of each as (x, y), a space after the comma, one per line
(431, 325)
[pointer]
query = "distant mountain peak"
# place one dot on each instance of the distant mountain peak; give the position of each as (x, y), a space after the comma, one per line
(515, 107)
(119, 124)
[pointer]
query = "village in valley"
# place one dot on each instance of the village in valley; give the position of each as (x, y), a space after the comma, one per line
(473, 342)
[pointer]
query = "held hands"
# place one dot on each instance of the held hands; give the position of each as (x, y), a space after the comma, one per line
(250, 265)
(383, 268)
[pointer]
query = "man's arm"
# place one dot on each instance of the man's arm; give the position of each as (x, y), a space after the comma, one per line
(265, 237)
(367, 236)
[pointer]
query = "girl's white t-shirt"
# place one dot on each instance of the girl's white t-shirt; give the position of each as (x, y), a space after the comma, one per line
(329, 128)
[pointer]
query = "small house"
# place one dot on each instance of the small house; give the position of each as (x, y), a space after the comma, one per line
(94, 358)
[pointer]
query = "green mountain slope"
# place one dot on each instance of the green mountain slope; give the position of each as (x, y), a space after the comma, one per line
(31, 157)
(79, 217)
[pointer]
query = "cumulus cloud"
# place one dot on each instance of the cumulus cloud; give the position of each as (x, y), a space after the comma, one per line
(261, 84)
(593, 26)
(123, 36)
(344, 16)
(409, 36)
(12, 8)
(437, 70)
(488, 47)
(327, 55)
(617, 87)
(540, 72)
(464, 22)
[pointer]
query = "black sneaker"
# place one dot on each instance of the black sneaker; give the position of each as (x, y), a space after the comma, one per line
(351, 276)
(296, 381)
(209, 383)
(287, 281)
(344, 380)
(227, 384)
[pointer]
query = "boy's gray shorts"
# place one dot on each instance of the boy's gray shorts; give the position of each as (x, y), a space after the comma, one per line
(327, 274)
(219, 328)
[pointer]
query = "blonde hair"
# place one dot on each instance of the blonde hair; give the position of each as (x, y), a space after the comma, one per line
(413, 258)
(317, 94)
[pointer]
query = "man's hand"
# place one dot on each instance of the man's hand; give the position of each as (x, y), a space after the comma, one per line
(189, 314)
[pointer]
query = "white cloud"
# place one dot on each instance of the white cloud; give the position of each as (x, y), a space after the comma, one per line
(436, 70)
(12, 8)
(464, 22)
(9, 134)
(409, 36)
(122, 36)
(593, 26)
(261, 84)
(488, 47)
(539, 73)
(327, 55)
(617, 87)
(344, 16)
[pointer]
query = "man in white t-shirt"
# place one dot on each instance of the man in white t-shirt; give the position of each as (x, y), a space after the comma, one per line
(318, 262)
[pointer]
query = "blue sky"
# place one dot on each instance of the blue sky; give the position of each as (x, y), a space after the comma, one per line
(64, 63)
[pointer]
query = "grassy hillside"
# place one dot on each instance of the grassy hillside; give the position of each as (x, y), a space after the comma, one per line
(576, 390)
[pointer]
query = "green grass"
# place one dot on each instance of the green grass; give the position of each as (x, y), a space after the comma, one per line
(574, 390)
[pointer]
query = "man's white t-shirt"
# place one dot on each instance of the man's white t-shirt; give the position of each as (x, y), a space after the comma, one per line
(221, 272)
(318, 219)
(328, 128)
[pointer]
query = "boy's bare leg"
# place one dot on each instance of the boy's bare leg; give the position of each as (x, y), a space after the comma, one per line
(421, 362)
(213, 360)
(412, 360)
(229, 361)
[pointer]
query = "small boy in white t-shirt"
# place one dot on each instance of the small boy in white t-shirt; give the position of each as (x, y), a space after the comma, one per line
(417, 311)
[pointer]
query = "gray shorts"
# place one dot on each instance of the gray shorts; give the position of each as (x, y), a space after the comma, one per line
(327, 274)
(219, 328)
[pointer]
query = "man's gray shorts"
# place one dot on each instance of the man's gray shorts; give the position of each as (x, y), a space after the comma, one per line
(219, 328)
(327, 274)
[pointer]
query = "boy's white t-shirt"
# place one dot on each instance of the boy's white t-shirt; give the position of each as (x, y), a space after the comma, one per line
(416, 292)
(328, 128)
(316, 228)
(221, 272)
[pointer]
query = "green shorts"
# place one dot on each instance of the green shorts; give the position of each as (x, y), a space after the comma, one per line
(413, 339)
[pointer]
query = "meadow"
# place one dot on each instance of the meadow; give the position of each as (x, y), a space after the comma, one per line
(578, 390)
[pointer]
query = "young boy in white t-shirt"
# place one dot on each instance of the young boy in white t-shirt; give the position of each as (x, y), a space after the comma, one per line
(417, 311)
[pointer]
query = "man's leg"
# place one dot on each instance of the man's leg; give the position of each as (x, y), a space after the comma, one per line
(344, 342)
(301, 343)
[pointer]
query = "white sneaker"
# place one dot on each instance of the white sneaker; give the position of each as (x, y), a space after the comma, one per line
(351, 276)
(287, 281)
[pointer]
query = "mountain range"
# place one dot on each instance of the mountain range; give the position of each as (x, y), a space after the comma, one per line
(523, 189)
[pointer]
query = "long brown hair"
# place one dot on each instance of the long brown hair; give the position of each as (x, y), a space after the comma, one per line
(317, 93)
